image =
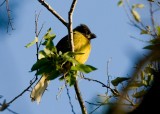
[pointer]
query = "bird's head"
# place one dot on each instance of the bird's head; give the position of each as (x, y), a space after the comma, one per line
(82, 28)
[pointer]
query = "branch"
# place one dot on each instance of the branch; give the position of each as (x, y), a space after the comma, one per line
(141, 64)
(69, 97)
(152, 17)
(2, 3)
(70, 36)
(49, 8)
(9, 15)
(27, 89)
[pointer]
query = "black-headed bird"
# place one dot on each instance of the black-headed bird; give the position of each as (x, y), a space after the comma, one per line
(82, 37)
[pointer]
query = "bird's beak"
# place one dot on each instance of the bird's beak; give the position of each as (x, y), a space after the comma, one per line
(92, 36)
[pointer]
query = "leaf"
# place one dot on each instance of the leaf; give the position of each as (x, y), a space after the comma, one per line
(71, 78)
(40, 63)
(138, 6)
(32, 43)
(118, 80)
(67, 57)
(49, 44)
(136, 85)
(151, 0)
(83, 68)
(136, 15)
(153, 47)
(53, 75)
(139, 94)
(41, 54)
(46, 69)
(120, 3)
(144, 32)
(49, 35)
(158, 30)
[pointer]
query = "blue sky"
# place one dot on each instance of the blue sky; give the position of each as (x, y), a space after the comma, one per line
(108, 21)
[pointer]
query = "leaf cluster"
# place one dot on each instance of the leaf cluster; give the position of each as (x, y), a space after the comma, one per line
(54, 64)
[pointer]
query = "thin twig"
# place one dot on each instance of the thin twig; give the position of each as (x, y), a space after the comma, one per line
(27, 89)
(9, 16)
(141, 64)
(103, 85)
(69, 97)
(49, 8)
(8, 109)
(2, 3)
(152, 17)
(108, 80)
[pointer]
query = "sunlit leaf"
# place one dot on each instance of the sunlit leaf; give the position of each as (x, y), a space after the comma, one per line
(41, 54)
(49, 35)
(118, 80)
(32, 43)
(138, 6)
(136, 15)
(158, 30)
(83, 68)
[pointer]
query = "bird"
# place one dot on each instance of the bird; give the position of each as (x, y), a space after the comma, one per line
(82, 37)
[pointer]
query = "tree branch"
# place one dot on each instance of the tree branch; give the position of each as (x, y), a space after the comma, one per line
(70, 36)
(49, 8)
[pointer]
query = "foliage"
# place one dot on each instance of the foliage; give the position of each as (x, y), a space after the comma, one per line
(56, 63)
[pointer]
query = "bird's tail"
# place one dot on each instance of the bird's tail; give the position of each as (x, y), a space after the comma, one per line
(39, 89)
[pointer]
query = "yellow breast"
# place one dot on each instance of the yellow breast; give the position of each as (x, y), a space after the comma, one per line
(81, 45)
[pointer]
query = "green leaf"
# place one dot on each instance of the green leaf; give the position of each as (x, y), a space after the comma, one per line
(120, 3)
(32, 43)
(53, 75)
(139, 94)
(83, 68)
(71, 78)
(67, 57)
(118, 80)
(138, 6)
(145, 32)
(49, 44)
(136, 15)
(153, 47)
(158, 30)
(42, 54)
(49, 35)
(46, 69)
(40, 63)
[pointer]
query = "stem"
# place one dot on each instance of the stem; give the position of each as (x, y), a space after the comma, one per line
(80, 99)
(70, 36)
(49, 8)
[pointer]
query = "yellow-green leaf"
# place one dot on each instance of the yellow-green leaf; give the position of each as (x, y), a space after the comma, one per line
(138, 6)
(136, 15)
(32, 43)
